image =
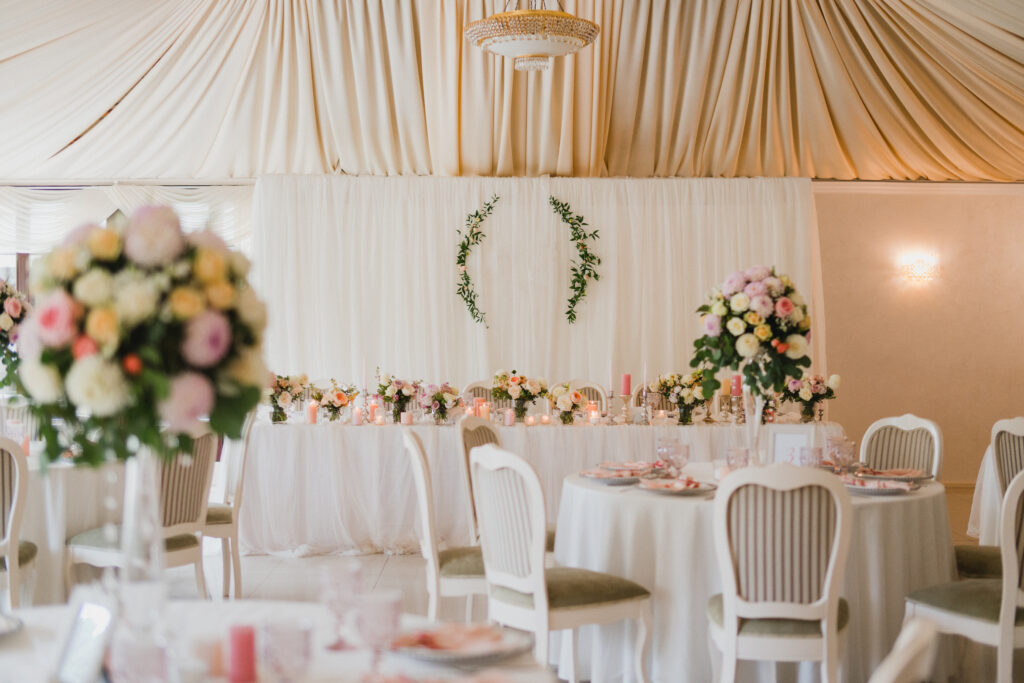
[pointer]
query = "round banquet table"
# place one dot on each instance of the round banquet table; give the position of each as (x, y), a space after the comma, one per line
(665, 543)
(337, 488)
(31, 654)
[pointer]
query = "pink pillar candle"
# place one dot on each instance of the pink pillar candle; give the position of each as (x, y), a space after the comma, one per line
(242, 654)
(510, 418)
(627, 384)
(737, 385)
(357, 416)
(406, 417)
(484, 410)
(373, 412)
(311, 409)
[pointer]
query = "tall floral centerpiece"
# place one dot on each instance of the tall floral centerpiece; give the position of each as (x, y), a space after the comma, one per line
(286, 390)
(522, 391)
(138, 333)
(438, 400)
(809, 392)
(397, 393)
(336, 398)
(567, 401)
(685, 392)
(755, 323)
(13, 309)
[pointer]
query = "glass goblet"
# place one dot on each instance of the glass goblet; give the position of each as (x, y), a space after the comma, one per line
(377, 622)
(737, 457)
(340, 588)
(286, 649)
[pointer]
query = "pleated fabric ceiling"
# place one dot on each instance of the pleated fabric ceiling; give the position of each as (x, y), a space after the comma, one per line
(868, 89)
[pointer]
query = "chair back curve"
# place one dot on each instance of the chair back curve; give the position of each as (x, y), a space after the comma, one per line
(591, 391)
(424, 500)
(472, 432)
(13, 489)
(185, 487)
(236, 470)
(907, 441)
(478, 389)
(1008, 449)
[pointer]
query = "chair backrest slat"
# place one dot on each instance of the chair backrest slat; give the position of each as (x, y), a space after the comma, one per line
(13, 489)
(473, 432)
(8, 484)
(656, 401)
(1011, 543)
(907, 441)
(1008, 450)
(185, 485)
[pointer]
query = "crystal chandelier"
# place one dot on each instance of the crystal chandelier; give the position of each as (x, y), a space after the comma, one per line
(531, 37)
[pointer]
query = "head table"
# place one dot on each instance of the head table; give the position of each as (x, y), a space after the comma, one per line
(328, 488)
(665, 543)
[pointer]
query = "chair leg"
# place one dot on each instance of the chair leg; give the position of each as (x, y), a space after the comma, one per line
(643, 627)
(69, 574)
(728, 663)
(1004, 662)
(574, 643)
(830, 664)
(13, 585)
(201, 577)
(236, 561)
(540, 648)
(225, 555)
(432, 605)
(469, 608)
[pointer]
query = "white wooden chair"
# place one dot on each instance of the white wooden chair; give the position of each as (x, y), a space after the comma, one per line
(1007, 447)
(657, 401)
(523, 594)
(472, 432)
(454, 572)
(912, 656)
(16, 419)
(782, 534)
(184, 495)
(906, 441)
(987, 611)
(591, 391)
(15, 554)
(481, 389)
(222, 517)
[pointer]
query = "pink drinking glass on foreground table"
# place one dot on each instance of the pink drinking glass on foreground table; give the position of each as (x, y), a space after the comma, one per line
(242, 654)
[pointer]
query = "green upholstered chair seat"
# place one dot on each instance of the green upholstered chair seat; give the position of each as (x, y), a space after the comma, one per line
(26, 553)
(979, 561)
(467, 561)
(571, 587)
(218, 513)
(792, 628)
(96, 539)
(974, 598)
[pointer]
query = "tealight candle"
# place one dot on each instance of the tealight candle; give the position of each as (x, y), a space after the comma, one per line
(510, 418)
(595, 418)
(660, 416)
(379, 420)
(357, 416)
(311, 409)
(406, 417)
(530, 420)
(242, 654)
(545, 419)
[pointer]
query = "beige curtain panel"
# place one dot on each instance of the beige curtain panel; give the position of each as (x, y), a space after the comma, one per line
(868, 89)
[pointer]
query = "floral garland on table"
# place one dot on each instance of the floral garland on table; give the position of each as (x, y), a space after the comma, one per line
(438, 400)
(472, 236)
(586, 268)
(336, 398)
(138, 333)
(511, 386)
(14, 306)
(566, 400)
(397, 393)
(286, 390)
(810, 391)
(683, 391)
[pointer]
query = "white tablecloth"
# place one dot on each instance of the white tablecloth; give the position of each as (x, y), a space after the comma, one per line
(324, 488)
(31, 654)
(984, 522)
(665, 543)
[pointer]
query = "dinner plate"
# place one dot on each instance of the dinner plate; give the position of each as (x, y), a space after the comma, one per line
(610, 481)
(512, 644)
(889, 477)
(9, 625)
(868, 491)
(704, 488)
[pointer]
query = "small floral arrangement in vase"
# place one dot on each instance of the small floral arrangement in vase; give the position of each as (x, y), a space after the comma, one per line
(286, 391)
(522, 391)
(397, 393)
(439, 400)
(683, 391)
(335, 399)
(567, 401)
(808, 392)
(14, 307)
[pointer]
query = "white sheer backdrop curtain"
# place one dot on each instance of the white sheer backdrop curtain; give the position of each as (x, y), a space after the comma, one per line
(360, 272)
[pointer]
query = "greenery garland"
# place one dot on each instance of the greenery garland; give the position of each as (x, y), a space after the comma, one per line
(586, 268)
(472, 236)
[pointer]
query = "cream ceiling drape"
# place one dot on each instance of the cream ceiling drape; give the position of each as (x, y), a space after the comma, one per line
(866, 89)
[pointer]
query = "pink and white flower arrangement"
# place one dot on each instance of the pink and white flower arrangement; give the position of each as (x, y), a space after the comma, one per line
(285, 392)
(398, 393)
(511, 386)
(683, 391)
(13, 309)
(758, 322)
(140, 333)
(438, 400)
(809, 391)
(335, 398)
(567, 401)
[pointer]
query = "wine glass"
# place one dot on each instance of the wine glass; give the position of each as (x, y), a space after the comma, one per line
(737, 457)
(672, 452)
(810, 456)
(286, 649)
(340, 589)
(377, 620)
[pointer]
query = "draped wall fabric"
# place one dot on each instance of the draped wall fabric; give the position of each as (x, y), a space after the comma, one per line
(360, 272)
(868, 89)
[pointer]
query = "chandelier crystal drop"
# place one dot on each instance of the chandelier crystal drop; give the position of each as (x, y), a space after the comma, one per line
(532, 37)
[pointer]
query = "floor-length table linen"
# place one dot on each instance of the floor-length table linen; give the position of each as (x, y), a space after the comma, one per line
(984, 521)
(329, 488)
(665, 543)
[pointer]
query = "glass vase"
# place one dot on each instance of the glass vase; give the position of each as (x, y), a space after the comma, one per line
(807, 412)
(567, 417)
(686, 415)
(520, 409)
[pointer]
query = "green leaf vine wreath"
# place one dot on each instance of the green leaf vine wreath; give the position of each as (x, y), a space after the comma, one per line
(472, 235)
(586, 268)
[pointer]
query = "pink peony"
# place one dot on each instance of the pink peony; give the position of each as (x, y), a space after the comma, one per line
(774, 284)
(207, 339)
(79, 235)
(208, 238)
(756, 273)
(712, 325)
(154, 237)
(756, 288)
(784, 307)
(734, 283)
(12, 307)
(762, 305)
(794, 385)
(191, 397)
(56, 316)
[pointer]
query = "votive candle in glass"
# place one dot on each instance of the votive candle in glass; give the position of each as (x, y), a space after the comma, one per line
(530, 420)
(311, 409)
(406, 417)
(484, 410)
(379, 420)
(357, 416)
(510, 418)
(545, 419)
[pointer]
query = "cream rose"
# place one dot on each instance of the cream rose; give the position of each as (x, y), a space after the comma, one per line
(736, 326)
(747, 345)
(833, 382)
(102, 326)
(718, 308)
(104, 244)
(186, 302)
(42, 381)
(739, 302)
(94, 288)
(6, 322)
(564, 403)
(135, 300)
(97, 385)
(251, 310)
(797, 346)
(515, 391)
(763, 332)
(248, 368)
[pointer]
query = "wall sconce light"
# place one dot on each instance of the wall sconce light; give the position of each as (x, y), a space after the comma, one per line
(920, 268)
